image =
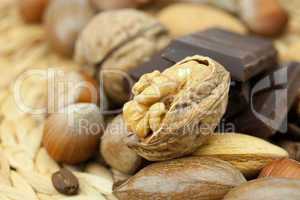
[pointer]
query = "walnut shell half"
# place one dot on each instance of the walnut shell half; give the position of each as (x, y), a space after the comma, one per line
(114, 42)
(172, 112)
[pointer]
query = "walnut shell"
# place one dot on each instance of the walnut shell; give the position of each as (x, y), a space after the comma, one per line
(114, 149)
(266, 188)
(117, 41)
(186, 178)
(172, 112)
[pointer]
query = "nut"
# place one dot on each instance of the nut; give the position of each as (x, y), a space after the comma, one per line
(72, 87)
(265, 17)
(266, 188)
(65, 182)
(73, 134)
(32, 10)
(190, 178)
(284, 168)
(128, 38)
(119, 177)
(184, 18)
(114, 149)
(64, 20)
(172, 112)
(247, 153)
(293, 148)
(117, 4)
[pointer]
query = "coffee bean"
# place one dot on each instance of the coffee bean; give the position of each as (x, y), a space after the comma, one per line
(65, 182)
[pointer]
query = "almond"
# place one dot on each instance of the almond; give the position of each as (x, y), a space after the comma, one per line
(247, 153)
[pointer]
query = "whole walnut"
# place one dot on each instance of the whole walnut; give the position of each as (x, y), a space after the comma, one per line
(116, 4)
(114, 149)
(116, 42)
(266, 189)
(64, 20)
(173, 112)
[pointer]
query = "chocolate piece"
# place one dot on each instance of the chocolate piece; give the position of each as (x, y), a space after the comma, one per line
(258, 102)
(293, 132)
(270, 99)
(238, 99)
(243, 56)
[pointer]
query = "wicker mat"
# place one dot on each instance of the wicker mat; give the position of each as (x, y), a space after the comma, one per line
(25, 166)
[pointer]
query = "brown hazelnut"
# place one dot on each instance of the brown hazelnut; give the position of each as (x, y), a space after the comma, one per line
(284, 168)
(73, 134)
(114, 149)
(265, 17)
(32, 10)
(64, 20)
(89, 92)
(72, 87)
(116, 4)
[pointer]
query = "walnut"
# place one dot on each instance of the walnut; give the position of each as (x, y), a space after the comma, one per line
(172, 112)
(115, 42)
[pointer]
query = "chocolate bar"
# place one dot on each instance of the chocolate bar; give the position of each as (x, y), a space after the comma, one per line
(268, 102)
(243, 56)
(258, 102)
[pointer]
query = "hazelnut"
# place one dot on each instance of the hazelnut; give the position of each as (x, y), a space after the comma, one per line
(32, 10)
(190, 178)
(284, 168)
(64, 20)
(173, 112)
(266, 188)
(114, 42)
(117, 4)
(72, 135)
(114, 149)
(264, 17)
(72, 87)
